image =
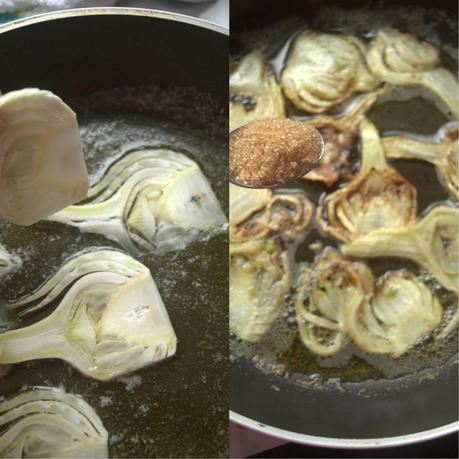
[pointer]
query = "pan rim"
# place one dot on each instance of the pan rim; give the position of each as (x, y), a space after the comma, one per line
(341, 443)
(120, 11)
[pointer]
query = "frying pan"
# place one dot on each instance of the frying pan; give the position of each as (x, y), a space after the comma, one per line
(169, 77)
(375, 412)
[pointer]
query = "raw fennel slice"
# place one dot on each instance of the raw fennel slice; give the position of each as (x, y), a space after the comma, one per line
(156, 199)
(110, 320)
(53, 424)
(42, 169)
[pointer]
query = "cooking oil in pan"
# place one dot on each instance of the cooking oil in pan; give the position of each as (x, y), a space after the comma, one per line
(412, 110)
(177, 408)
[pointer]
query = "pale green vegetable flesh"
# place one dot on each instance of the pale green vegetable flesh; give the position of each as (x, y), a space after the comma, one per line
(244, 202)
(155, 199)
(50, 423)
(324, 70)
(401, 312)
(262, 224)
(8, 262)
(259, 282)
(432, 243)
(377, 198)
(442, 154)
(402, 59)
(110, 320)
(254, 92)
(339, 134)
(284, 215)
(326, 292)
(339, 301)
(42, 169)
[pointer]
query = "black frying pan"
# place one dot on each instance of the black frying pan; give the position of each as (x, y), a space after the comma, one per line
(166, 77)
(376, 412)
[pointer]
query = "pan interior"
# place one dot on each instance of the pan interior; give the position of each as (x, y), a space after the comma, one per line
(286, 373)
(153, 412)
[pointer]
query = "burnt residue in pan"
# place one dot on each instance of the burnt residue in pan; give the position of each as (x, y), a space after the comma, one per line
(178, 408)
(281, 351)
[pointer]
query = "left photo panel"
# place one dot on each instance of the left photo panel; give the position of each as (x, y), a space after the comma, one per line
(113, 230)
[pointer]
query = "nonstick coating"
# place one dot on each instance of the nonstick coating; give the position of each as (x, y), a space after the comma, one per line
(372, 411)
(177, 408)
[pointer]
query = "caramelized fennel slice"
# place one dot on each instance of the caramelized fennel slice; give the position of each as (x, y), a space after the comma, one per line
(254, 92)
(259, 283)
(377, 198)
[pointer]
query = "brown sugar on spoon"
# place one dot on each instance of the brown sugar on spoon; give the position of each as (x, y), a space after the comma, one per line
(273, 152)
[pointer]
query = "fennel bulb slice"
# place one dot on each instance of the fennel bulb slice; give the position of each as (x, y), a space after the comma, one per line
(155, 199)
(254, 92)
(441, 150)
(110, 321)
(401, 312)
(403, 59)
(378, 197)
(323, 70)
(41, 163)
(259, 282)
(51, 423)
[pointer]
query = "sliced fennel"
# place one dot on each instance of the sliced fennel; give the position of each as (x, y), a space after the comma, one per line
(442, 154)
(402, 59)
(8, 262)
(284, 215)
(339, 301)
(432, 243)
(51, 423)
(340, 134)
(41, 163)
(401, 312)
(110, 321)
(377, 198)
(327, 290)
(254, 92)
(323, 70)
(244, 202)
(259, 282)
(156, 199)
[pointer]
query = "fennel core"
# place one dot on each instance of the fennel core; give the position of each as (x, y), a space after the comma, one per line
(273, 152)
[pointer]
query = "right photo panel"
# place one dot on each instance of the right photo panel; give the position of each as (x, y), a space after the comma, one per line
(343, 170)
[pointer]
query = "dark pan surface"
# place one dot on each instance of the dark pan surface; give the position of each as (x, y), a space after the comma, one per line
(164, 85)
(360, 401)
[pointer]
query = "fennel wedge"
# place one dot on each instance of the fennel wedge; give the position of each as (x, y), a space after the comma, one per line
(323, 70)
(377, 198)
(402, 59)
(110, 320)
(254, 92)
(442, 151)
(340, 135)
(285, 215)
(326, 291)
(50, 423)
(42, 169)
(401, 311)
(155, 199)
(431, 243)
(259, 282)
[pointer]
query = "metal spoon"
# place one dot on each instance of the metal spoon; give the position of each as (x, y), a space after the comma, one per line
(268, 146)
